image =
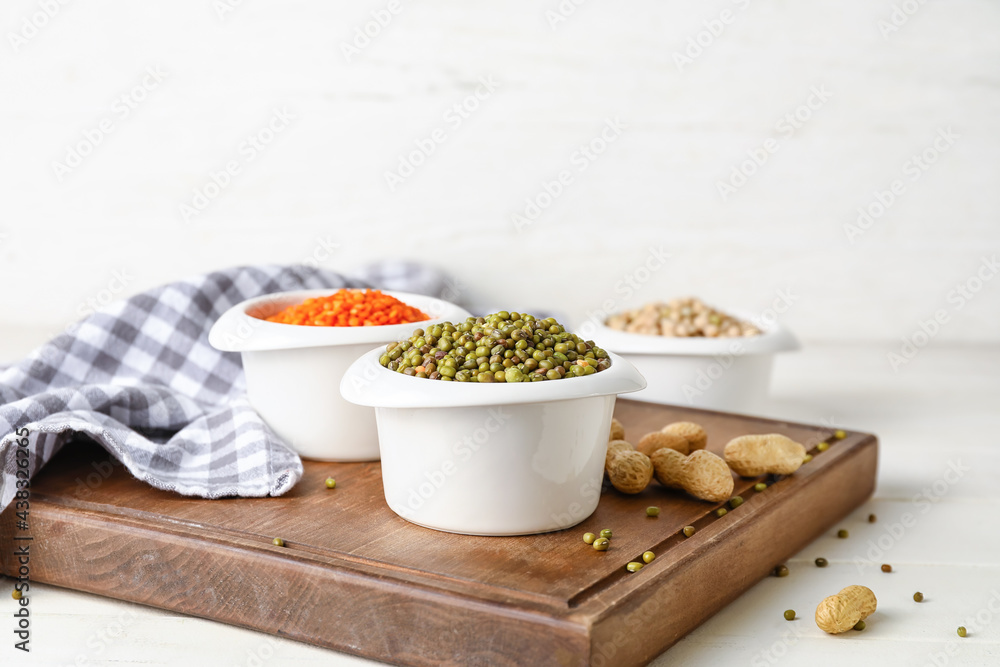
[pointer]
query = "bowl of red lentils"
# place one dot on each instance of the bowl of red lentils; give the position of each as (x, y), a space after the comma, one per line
(696, 355)
(295, 348)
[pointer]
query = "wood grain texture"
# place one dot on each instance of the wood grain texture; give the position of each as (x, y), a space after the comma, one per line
(355, 577)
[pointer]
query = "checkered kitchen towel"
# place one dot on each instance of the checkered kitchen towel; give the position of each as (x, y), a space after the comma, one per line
(140, 378)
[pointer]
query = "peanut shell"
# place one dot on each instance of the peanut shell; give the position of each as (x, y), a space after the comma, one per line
(841, 612)
(658, 440)
(668, 466)
(754, 455)
(616, 447)
(693, 433)
(707, 477)
(617, 430)
(630, 472)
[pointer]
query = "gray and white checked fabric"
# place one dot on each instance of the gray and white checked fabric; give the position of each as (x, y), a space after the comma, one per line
(140, 378)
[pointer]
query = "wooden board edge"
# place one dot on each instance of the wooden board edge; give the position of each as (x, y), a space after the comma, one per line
(411, 625)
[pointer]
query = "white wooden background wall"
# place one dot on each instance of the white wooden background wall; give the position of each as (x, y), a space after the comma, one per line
(112, 225)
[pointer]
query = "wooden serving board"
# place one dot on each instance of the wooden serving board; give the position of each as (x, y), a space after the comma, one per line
(355, 577)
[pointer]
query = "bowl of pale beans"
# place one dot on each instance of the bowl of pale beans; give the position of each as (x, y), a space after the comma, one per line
(694, 354)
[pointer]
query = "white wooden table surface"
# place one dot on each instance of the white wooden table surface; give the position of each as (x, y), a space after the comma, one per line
(939, 414)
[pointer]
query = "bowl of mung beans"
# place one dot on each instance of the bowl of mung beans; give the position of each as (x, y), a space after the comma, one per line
(695, 355)
(495, 425)
(295, 347)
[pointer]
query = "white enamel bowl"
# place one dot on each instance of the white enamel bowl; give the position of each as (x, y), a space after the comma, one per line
(293, 372)
(491, 459)
(730, 374)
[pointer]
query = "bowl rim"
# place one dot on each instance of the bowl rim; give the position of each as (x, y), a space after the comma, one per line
(367, 382)
(237, 331)
(772, 339)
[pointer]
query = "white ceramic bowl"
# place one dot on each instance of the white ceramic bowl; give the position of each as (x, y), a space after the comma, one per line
(293, 372)
(731, 374)
(491, 459)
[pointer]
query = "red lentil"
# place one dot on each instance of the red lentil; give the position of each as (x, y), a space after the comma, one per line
(350, 308)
